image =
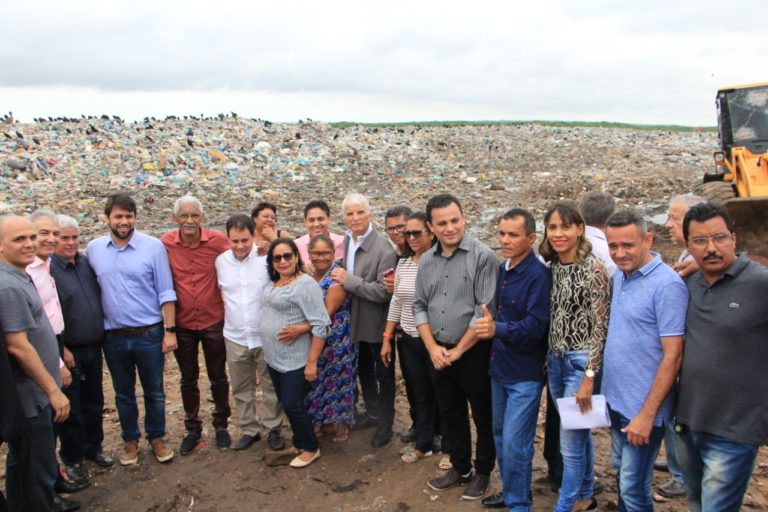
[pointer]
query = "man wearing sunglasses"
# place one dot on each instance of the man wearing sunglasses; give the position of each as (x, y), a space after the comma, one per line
(722, 415)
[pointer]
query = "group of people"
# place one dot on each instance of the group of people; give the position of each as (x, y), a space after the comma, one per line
(304, 320)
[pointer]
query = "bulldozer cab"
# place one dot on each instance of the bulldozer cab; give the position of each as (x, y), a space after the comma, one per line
(743, 118)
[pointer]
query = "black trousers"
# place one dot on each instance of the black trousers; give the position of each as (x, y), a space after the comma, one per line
(552, 441)
(467, 381)
(31, 467)
(377, 383)
(82, 434)
(415, 364)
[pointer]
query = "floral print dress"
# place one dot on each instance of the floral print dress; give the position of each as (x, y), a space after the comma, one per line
(331, 399)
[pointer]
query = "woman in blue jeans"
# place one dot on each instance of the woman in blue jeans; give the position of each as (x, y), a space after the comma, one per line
(294, 326)
(579, 304)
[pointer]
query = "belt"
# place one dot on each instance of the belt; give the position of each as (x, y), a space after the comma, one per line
(134, 331)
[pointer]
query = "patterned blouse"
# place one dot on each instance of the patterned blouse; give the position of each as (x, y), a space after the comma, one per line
(579, 303)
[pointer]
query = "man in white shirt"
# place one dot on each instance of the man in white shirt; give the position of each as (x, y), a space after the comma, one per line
(596, 207)
(242, 275)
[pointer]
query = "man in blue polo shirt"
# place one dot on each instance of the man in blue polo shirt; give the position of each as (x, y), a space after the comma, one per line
(519, 348)
(137, 298)
(643, 353)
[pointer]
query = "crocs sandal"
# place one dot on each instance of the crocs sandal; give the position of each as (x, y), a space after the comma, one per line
(414, 455)
(445, 462)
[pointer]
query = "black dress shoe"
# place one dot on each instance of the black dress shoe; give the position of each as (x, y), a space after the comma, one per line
(223, 439)
(494, 501)
(409, 435)
(188, 444)
(101, 459)
(75, 472)
(67, 487)
(246, 441)
(381, 437)
(275, 440)
(64, 505)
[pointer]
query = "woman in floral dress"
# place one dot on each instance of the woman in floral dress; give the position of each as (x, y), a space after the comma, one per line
(331, 399)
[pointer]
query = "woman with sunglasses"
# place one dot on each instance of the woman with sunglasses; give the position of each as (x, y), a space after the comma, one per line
(294, 325)
(332, 397)
(415, 362)
(579, 304)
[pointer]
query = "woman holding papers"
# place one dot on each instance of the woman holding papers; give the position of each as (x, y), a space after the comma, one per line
(579, 303)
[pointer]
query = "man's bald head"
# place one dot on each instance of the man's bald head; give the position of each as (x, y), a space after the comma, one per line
(18, 241)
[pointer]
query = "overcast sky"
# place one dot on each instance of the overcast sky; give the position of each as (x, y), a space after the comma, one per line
(655, 61)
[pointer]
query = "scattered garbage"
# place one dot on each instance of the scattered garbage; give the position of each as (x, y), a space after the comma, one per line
(232, 163)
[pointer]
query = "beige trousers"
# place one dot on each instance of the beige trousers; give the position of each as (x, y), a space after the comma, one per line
(244, 366)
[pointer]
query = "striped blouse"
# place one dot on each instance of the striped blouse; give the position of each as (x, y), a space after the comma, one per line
(401, 305)
(299, 302)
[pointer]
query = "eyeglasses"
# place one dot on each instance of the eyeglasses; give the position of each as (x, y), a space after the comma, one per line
(277, 258)
(320, 254)
(416, 233)
(393, 229)
(703, 241)
(193, 216)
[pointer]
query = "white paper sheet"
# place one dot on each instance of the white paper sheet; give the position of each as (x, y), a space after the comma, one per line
(572, 419)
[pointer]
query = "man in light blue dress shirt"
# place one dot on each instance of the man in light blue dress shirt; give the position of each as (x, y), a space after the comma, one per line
(139, 318)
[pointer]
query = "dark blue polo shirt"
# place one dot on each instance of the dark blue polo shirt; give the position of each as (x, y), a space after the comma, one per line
(522, 321)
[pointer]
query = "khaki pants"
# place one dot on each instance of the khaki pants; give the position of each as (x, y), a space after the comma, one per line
(244, 366)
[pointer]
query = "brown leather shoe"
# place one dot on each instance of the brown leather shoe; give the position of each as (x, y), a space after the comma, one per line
(130, 453)
(163, 452)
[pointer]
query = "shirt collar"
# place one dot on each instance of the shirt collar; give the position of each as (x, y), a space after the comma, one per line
(595, 232)
(647, 268)
(522, 265)
(362, 237)
(464, 245)
(61, 262)
(5, 267)
(132, 242)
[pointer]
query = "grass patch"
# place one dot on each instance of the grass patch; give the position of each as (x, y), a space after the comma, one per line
(561, 124)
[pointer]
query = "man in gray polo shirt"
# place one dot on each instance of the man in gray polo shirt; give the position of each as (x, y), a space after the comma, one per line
(722, 414)
(31, 466)
(456, 277)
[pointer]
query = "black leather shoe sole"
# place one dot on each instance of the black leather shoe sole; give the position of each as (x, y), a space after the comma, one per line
(64, 505)
(66, 487)
(246, 441)
(101, 459)
(275, 440)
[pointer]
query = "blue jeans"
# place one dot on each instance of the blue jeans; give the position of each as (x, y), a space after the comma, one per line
(716, 470)
(515, 410)
(565, 371)
(291, 389)
(670, 448)
(634, 465)
(125, 356)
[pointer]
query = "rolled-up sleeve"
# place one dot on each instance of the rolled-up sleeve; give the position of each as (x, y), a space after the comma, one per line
(485, 284)
(163, 277)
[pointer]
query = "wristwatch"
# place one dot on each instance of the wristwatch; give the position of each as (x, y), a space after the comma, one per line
(590, 373)
(171, 328)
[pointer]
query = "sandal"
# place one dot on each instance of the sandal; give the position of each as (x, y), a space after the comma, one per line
(414, 455)
(342, 433)
(445, 462)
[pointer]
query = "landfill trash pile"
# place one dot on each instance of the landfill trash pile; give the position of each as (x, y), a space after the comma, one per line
(232, 163)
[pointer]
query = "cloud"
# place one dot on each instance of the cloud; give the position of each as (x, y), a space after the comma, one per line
(551, 58)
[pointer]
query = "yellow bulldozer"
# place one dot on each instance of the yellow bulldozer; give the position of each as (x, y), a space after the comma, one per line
(740, 177)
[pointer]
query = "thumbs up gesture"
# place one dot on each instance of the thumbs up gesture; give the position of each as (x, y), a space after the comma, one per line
(485, 327)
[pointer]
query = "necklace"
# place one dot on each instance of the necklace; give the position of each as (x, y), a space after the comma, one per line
(285, 282)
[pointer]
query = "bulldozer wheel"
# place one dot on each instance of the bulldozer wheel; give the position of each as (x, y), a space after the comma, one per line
(717, 192)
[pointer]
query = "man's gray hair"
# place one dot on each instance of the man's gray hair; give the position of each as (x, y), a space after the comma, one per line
(65, 221)
(42, 213)
(688, 200)
(596, 207)
(355, 198)
(188, 199)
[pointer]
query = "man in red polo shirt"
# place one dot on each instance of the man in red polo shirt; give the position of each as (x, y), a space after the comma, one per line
(192, 251)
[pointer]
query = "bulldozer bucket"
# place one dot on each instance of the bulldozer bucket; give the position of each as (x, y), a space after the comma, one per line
(750, 216)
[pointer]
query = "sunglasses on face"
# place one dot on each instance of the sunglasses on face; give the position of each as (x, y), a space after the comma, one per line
(277, 258)
(416, 233)
(395, 229)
